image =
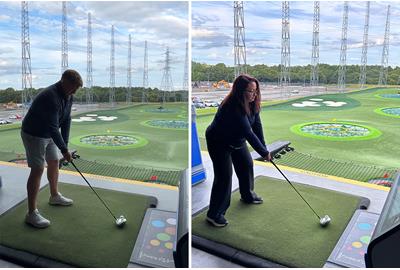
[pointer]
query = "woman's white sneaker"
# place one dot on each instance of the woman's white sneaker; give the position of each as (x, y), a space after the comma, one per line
(36, 220)
(60, 200)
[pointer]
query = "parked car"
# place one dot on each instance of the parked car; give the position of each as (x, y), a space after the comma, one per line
(199, 105)
(210, 103)
(4, 122)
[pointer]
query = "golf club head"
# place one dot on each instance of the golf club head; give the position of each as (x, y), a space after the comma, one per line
(324, 221)
(120, 222)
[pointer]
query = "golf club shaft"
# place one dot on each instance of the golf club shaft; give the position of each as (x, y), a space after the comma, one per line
(73, 164)
(273, 163)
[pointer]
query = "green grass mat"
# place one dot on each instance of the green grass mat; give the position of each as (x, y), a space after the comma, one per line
(83, 234)
(283, 229)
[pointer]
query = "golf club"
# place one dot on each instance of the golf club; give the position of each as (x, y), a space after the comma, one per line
(324, 221)
(121, 220)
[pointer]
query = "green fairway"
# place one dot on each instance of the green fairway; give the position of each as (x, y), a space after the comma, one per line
(84, 234)
(358, 109)
(152, 147)
(283, 229)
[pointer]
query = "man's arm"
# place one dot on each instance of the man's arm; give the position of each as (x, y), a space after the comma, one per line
(65, 127)
(53, 114)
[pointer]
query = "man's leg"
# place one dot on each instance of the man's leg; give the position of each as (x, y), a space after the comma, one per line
(32, 187)
(35, 150)
(56, 198)
(52, 176)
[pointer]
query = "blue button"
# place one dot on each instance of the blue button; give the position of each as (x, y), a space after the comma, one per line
(158, 223)
(364, 226)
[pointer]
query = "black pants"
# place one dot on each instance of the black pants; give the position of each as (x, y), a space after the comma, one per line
(223, 156)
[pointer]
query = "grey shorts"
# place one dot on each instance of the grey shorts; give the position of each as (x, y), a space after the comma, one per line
(38, 150)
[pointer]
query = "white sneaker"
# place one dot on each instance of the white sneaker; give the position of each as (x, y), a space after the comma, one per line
(36, 220)
(60, 200)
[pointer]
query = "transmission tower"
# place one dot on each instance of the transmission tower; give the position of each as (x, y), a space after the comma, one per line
(145, 74)
(383, 74)
(112, 69)
(343, 49)
(185, 85)
(89, 75)
(26, 57)
(239, 39)
(64, 39)
(129, 75)
(315, 46)
(363, 66)
(285, 48)
(166, 82)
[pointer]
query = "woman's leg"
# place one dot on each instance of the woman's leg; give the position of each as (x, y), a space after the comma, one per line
(222, 185)
(243, 164)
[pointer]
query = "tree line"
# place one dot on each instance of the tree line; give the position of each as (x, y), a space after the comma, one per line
(101, 94)
(328, 74)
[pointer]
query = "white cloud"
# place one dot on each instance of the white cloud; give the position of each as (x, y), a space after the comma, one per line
(160, 23)
(4, 17)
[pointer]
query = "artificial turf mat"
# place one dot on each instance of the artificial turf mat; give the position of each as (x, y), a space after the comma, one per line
(83, 234)
(283, 229)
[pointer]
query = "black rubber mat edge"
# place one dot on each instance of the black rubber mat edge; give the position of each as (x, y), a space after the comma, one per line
(27, 259)
(231, 254)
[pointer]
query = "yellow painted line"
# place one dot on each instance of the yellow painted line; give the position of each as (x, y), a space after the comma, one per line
(101, 177)
(330, 177)
(12, 164)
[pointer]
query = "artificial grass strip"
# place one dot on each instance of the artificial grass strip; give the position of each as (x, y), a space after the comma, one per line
(83, 234)
(283, 229)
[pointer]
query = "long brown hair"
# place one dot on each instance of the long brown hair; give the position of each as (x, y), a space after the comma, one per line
(238, 92)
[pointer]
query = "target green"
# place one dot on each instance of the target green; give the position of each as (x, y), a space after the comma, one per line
(166, 124)
(336, 131)
(389, 111)
(109, 141)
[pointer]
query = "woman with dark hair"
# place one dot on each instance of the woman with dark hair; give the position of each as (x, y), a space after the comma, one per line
(236, 122)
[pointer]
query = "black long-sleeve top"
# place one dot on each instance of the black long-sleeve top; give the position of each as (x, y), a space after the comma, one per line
(233, 127)
(50, 111)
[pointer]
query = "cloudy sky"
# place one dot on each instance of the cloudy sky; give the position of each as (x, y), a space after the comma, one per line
(160, 23)
(212, 32)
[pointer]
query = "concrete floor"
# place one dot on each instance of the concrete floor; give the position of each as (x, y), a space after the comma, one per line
(201, 195)
(13, 190)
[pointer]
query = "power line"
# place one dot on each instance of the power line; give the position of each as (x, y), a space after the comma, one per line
(364, 53)
(185, 85)
(64, 39)
(284, 81)
(239, 46)
(343, 49)
(145, 74)
(112, 69)
(383, 74)
(25, 57)
(129, 74)
(315, 46)
(89, 76)
(166, 82)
